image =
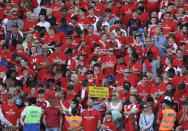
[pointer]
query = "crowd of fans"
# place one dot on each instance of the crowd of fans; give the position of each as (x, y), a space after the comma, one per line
(51, 51)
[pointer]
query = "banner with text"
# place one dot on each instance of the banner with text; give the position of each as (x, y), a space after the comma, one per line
(102, 92)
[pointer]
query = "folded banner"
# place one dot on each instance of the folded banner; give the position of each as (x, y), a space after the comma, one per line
(101, 92)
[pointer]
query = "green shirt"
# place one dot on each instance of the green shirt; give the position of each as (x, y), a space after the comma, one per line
(33, 114)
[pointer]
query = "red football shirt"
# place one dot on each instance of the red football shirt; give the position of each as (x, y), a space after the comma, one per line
(137, 67)
(90, 120)
(109, 60)
(29, 25)
(144, 17)
(49, 39)
(169, 26)
(41, 62)
(111, 125)
(152, 5)
(180, 96)
(32, 60)
(143, 91)
(11, 113)
(123, 96)
(52, 117)
(126, 11)
(153, 49)
(119, 71)
(57, 56)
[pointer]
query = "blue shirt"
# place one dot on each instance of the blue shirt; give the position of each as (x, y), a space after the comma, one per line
(65, 29)
(160, 41)
(3, 63)
(13, 37)
(97, 107)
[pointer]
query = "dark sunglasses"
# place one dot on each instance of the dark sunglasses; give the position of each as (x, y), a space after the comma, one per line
(111, 50)
(113, 95)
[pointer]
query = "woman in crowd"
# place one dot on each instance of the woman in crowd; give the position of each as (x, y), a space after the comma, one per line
(146, 119)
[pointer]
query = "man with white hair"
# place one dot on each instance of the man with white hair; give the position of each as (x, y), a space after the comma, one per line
(133, 92)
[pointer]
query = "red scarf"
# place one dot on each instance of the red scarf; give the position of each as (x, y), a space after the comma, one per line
(148, 65)
(109, 18)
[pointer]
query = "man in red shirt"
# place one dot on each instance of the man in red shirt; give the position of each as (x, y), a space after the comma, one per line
(119, 68)
(92, 18)
(10, 111)
(135, 67)
(84, 21)
(41, 102)
(43, 63)
(125, 93)
(178, 61)
(181, 93)
(91, 78)
(29, 25)
(68, 48)
(126, 11)
(57, 57)
(108, 62)
(97, 52)
(181, 36)
(126, 78)
(169, 26)
(91, 117)
(150, 47)
(152, 5)
(143, 16)
(113, 7)
(143, 88)
(91, 38)
(52, 37)
(52, 117)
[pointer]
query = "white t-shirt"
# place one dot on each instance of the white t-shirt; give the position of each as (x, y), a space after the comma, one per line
(45, 24)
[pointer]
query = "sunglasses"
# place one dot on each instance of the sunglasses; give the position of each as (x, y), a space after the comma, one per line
(145, 106)
(113, 95)
(111, 50)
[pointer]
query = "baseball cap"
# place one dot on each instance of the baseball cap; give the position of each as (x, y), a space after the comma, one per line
(18, 101)
(110, 78)
(167, 98)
